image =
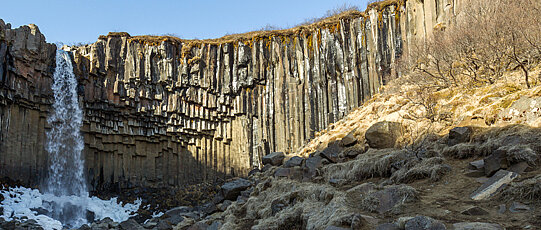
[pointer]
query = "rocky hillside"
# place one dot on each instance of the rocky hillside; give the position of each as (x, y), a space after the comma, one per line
(388, 166)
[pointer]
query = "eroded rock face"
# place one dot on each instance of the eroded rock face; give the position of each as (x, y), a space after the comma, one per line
(164, 112)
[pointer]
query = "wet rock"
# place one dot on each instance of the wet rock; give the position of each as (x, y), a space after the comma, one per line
(474, 211)
(130, 224)
(83, 227)
(348, 140)
(476, 226)
(332, 152)
(493, 185)
(424, 223)
(274, 158)
(518, 207)
(231, 190)
(178, 211)
(163, 225)
(459, 135)
(383, 134)
(294, 161)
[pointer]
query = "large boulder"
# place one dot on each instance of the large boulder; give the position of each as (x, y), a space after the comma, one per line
(231, 190)
(459, 135)
(383, 134)
(130, 224)
(275, 158)
(294, 161)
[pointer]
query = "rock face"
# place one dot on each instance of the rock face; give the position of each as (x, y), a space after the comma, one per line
(161, 111)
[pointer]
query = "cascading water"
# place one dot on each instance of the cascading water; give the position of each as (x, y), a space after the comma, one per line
(65, 144)
(65, 200)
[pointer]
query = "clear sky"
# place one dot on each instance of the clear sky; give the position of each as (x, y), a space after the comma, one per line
(73, 21)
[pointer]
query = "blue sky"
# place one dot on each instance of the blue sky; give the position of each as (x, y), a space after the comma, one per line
(72, 21)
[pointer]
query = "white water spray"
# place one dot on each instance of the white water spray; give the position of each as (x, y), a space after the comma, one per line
(65, 201)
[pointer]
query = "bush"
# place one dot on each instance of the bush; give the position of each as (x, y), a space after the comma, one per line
(487, 38)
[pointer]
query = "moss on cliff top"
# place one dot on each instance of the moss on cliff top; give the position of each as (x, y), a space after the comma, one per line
(331, 22)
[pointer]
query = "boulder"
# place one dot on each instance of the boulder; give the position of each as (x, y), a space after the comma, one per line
(348, 140)
(178, 211)
(494, 162)
(232, 189)
(310, 167)
(424, 223)
(199, 226)
(383, 134)
(294, 161)
(519, 167)
(291, 173)
(163, 225)
(493, 185)
(130, 224)
(476, 226)
(332, 152)
(459, 135)
(274, 158)
(476, 165)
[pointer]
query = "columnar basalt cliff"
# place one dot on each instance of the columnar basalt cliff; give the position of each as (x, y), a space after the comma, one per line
(161, 111)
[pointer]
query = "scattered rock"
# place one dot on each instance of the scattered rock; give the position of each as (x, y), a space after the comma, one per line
(501, 209)
(335, 228)
(476, 226)
(383, 134)
(518, 207)
(291, 173)
(130, 224)
(274, 158)
(493, 185)
(294, 161)
(348, 140)
(424, 223)
(475, 173)
(332, 152)
(223, 206)
(477, 165)
(474, 211)
(163, 225)
(199, 226)
(387, 226)
(178, 211)
(459, 135)
(310, 167)
(353, 151)
(215, 225)
(387, 199)
(519, 167)
(231, 190)
(208, 208)
(494, 162)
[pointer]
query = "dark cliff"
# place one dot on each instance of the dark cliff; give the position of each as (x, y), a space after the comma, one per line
(162, 111)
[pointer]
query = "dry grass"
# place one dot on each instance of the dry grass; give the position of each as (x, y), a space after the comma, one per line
(529, 189)
(432, 168)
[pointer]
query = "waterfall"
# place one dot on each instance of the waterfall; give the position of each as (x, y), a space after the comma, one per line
(65, 143)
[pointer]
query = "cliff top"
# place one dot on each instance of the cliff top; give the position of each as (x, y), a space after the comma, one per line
(331, 22)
